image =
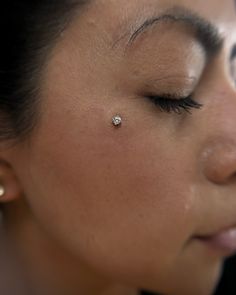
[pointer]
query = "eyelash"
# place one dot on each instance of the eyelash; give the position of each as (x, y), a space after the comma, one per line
(168, 104)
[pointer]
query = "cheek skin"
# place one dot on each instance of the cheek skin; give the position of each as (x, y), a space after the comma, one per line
(112, 192)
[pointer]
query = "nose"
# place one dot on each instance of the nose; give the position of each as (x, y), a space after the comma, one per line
(220, 161)
(219, 152)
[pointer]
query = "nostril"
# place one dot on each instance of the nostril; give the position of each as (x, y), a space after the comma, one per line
(233, 178)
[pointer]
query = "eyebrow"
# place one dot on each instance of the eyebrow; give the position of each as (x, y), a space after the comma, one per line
(205, 32)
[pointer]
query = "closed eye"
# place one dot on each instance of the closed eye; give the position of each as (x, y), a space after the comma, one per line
(168, 104)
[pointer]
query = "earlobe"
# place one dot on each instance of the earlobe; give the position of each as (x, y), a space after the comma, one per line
(10, 188)
(2, 190)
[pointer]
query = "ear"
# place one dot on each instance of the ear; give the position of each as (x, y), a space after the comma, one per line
(9, 183)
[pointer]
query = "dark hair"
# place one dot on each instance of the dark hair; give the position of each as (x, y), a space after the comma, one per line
(29, 29)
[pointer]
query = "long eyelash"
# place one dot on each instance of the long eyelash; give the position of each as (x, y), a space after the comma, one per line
(178, 106)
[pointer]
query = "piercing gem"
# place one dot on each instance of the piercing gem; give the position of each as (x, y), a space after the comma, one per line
(117, 120)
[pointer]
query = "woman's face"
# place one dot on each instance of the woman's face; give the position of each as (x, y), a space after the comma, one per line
(132, 201)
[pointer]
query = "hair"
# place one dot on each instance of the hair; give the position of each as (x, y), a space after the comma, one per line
(29, 30)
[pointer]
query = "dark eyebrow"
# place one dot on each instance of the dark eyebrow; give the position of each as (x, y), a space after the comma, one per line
(205, 32)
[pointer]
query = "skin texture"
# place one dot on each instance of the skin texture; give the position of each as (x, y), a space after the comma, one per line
(119, 209)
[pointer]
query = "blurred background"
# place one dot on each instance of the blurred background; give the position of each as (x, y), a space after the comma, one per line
(227, 285)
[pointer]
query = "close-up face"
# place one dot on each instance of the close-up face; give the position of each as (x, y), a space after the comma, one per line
(147, 202)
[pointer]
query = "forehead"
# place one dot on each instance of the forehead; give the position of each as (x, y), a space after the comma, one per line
(210, 8)
(213, 10)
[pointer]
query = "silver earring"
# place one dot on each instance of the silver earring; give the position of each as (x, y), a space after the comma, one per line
(2, 190)
(117, 120)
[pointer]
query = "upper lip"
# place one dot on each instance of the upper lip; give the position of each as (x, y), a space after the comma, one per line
(217, 230)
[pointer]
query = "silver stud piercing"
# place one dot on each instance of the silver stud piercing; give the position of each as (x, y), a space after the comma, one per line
(117, 120)
(2, 190)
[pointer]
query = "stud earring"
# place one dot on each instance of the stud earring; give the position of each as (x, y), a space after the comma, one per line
(117, 120)
(2, 190)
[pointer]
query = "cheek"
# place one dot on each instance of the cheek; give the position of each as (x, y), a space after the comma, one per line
(112, 195)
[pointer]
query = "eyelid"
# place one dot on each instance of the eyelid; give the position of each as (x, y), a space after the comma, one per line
(177, 85)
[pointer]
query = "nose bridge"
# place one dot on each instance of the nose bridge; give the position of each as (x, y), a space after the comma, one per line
(221, 93)
(219, 152)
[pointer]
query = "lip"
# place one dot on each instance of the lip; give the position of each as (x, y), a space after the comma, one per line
(223, 242)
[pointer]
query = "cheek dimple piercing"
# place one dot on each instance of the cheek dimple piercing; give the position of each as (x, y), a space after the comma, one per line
(117, 120)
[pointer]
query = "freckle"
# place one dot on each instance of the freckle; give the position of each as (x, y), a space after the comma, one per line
(136, 73)
(141, 215)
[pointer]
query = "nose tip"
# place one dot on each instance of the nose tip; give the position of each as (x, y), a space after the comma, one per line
(220, 163)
